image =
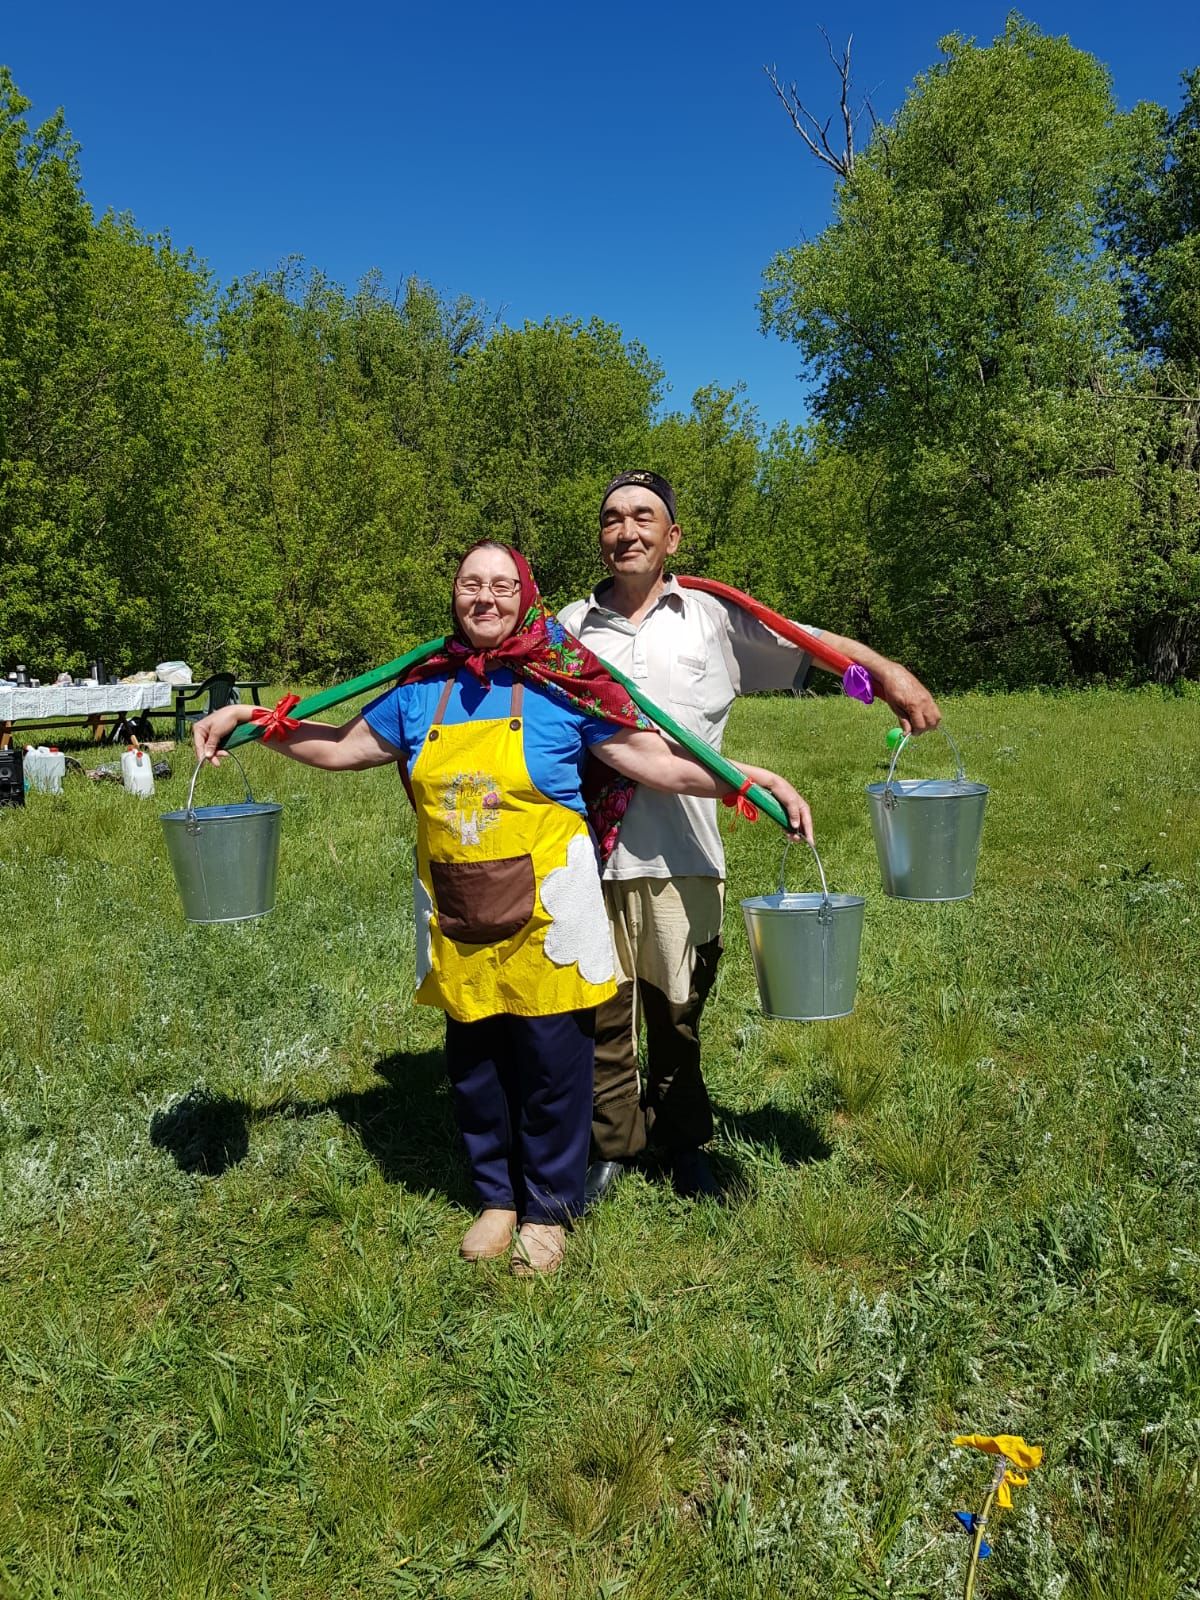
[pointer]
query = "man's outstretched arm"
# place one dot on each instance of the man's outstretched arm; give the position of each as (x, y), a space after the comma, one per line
(916, 709)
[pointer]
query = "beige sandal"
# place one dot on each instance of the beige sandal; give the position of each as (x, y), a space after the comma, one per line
(491, 1234)
(538, 1247)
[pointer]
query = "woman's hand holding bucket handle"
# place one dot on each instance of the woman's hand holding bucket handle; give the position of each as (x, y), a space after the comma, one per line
(210, 733)
(794, 803)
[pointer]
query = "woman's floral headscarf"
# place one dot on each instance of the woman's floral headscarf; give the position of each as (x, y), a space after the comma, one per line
(541, 650)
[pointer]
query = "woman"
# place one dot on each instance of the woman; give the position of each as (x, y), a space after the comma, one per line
(512, 936)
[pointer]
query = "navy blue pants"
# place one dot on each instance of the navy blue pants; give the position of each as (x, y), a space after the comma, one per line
(522, 1091)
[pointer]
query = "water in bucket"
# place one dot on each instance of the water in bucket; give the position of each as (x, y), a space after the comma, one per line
(927, 831)
(805, 949)
(224, 857)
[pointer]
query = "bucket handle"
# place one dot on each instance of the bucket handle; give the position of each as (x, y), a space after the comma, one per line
(889, 795)
(825, 911)
(191, 810)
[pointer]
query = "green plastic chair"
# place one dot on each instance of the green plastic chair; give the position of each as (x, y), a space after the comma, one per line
(220, 692)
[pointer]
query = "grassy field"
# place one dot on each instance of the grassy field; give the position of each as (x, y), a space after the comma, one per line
(239, 1356)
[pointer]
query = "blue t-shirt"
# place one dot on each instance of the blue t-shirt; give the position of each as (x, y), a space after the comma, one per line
(557, 736)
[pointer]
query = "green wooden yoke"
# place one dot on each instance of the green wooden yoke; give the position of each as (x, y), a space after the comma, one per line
(380, 676)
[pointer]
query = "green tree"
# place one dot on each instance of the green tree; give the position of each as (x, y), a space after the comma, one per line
(711, 457)
(545, 415)
(130, 395)
(1153, 228)
(44, 229)
(99, 429)
(1153, 231)
(965, 329)
(819, 531)
(326, 509)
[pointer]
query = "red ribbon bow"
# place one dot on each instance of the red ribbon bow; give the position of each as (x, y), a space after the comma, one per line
(275, 720)
(739, 803)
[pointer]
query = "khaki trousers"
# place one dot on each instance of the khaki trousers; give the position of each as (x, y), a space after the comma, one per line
(667, 938)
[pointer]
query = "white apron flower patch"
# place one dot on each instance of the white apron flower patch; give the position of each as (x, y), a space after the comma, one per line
(578, 933)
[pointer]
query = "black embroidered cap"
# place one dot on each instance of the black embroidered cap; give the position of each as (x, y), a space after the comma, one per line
(647, 480)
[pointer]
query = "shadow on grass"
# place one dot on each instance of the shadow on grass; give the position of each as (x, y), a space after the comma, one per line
(798, 1139)
(405, 1125)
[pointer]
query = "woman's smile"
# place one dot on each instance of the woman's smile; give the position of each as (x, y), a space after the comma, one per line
(485, 617)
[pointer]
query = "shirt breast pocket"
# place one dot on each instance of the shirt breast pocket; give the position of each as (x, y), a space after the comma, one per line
(687, 677)
(700, 688)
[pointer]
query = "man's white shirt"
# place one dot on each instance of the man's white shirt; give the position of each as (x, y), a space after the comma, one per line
(692, 654)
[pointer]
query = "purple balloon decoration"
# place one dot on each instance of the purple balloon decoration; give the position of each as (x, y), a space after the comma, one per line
(856, 681)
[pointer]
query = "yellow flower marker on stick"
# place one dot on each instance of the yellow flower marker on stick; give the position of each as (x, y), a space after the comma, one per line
(1010, 1447)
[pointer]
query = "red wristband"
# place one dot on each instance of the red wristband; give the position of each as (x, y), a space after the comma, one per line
(275, 719)
(739, 803)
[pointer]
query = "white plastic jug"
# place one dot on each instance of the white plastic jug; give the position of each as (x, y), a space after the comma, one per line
(44, 769)
(137, 772)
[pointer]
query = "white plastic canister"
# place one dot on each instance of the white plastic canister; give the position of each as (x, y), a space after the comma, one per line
(44, 769)
(137, 772)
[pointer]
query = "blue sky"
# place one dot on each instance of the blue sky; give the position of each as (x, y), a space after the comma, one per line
(628, 161)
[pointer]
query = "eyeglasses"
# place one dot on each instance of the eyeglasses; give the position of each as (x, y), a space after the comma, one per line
(501, 588)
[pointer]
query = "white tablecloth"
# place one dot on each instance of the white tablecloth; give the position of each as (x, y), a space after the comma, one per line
(17, 705)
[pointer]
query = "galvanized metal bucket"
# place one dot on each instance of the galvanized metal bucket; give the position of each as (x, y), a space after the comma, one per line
(805, 949)
(927, 831)
(224, 857)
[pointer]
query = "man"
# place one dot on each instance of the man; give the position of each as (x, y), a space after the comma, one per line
(691, 653)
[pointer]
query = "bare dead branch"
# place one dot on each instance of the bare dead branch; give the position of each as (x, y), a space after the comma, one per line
(842, 68)
(800, 115)
(815, 133)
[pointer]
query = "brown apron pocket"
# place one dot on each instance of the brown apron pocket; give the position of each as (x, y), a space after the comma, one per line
(480, 902)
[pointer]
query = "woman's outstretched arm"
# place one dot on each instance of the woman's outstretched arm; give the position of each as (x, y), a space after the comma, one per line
(351, 747)
(650, 759)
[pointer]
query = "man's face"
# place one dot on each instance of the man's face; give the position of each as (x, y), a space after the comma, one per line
(636, 532)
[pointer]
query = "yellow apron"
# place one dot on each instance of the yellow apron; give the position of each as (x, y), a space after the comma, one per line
(510, 914)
